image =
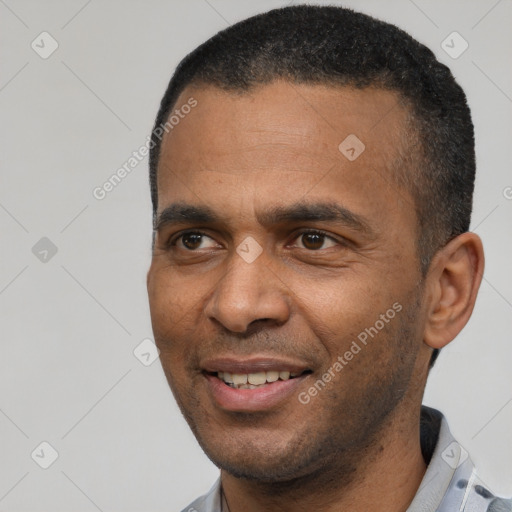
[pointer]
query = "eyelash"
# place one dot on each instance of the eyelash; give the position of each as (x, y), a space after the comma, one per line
(172, 242)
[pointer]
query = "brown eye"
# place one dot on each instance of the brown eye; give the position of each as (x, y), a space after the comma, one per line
(314, 241)
(191, 240)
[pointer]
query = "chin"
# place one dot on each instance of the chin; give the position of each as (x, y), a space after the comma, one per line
(254, 471)
(266, 461)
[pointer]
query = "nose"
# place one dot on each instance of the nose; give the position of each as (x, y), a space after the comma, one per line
(247, 293)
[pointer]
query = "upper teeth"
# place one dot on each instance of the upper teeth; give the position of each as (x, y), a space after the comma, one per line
(254, 379)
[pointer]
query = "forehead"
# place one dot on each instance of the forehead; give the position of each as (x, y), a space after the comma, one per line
(284, 141)
(291, 109)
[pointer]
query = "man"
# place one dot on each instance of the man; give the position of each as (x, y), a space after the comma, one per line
(312, 175)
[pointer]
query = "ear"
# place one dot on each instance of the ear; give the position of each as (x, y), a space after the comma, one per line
(453, 280)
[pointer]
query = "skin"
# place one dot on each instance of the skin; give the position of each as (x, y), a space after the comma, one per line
(304, 298)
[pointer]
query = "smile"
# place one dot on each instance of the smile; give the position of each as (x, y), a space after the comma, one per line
(255, 380)
(252, 384)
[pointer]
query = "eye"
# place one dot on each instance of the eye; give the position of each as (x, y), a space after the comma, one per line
(193, 240)
(315, 240)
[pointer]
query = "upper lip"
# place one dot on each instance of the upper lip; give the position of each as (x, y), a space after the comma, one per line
(252, 365)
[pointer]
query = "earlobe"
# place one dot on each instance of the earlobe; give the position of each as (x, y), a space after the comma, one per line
(453, 282)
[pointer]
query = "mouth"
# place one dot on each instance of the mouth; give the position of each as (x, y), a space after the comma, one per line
(256, 380)
(255, 384)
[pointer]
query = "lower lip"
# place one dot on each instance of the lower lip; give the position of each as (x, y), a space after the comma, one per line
(251, 400)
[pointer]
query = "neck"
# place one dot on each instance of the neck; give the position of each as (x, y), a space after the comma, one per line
(383, 476)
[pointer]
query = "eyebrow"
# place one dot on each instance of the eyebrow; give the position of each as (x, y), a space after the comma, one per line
(183, 213)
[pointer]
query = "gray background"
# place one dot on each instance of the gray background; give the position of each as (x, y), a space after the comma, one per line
(70, 324)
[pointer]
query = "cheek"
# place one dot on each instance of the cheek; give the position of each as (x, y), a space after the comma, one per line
(333, 300)
(177, 314)
(170, 306)
(343, 310)
(172, 298)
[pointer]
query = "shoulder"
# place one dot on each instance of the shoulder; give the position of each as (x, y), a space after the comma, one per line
(480, 499)
(451, 482)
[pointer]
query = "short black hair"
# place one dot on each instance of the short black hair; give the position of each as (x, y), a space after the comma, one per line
(336, 46)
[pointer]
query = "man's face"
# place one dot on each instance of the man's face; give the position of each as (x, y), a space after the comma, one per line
(274, 252)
